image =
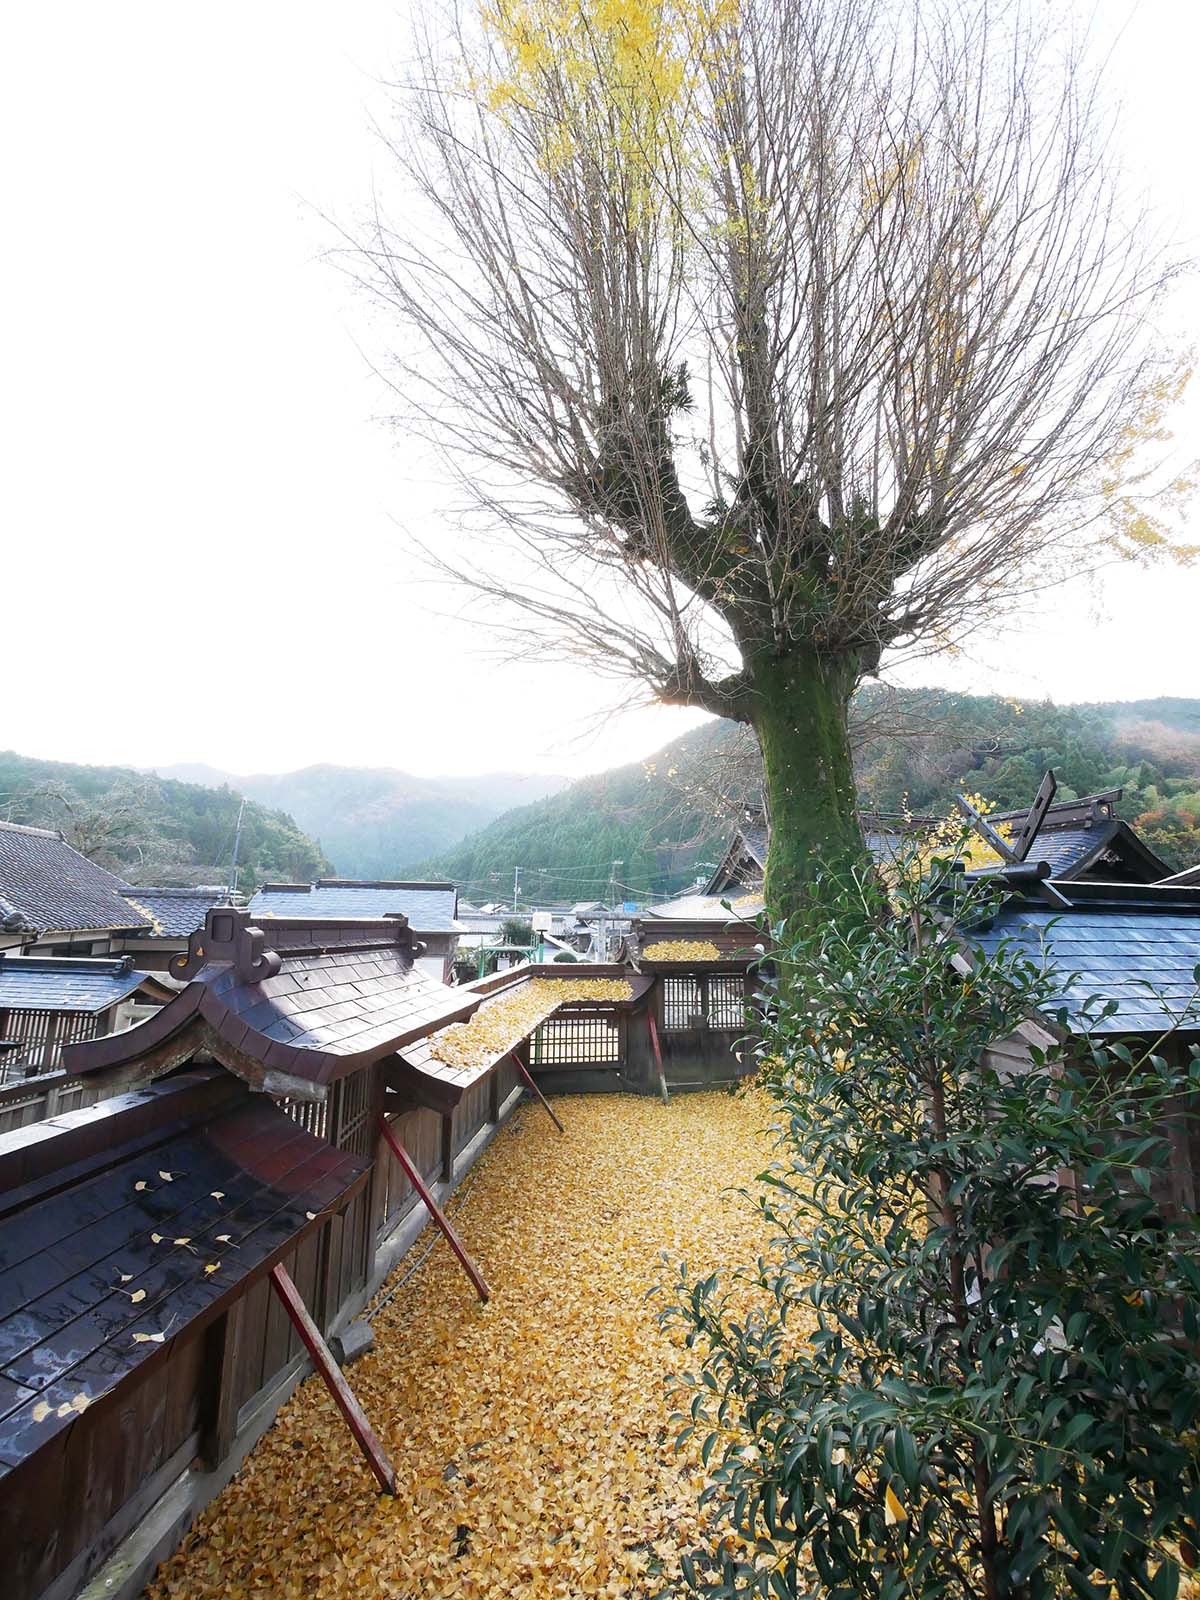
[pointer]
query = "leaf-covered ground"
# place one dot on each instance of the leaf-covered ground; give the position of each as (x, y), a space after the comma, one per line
(530, 1435)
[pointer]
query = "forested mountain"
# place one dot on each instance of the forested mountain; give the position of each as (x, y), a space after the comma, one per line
(370, 820)
(666, 818)
(648, 817)
(155, 830)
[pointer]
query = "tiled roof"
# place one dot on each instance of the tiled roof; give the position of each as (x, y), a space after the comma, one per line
(1114, 954)
(174, 913)
(1065, 848)
(429, 907)
(756, 840)
(52, 983)
(55, 889)
(709, 907)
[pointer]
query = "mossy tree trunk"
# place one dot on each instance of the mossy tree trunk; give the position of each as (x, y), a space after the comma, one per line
(800, 711)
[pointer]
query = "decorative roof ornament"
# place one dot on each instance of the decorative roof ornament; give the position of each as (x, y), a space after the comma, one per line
(227, 935)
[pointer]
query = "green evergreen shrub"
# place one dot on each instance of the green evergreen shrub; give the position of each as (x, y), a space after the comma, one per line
(964, 1377)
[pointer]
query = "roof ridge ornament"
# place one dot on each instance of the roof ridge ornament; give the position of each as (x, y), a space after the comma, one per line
(227, 935)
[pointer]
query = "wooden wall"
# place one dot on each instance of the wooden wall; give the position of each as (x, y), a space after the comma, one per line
(74, 1501)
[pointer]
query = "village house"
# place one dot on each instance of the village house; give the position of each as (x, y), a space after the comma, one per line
(47, 1002)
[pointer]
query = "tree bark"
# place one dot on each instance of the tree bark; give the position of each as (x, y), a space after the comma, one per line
(799, 709)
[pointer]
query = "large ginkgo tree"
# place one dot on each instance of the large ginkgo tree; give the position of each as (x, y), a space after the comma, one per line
(769, 337)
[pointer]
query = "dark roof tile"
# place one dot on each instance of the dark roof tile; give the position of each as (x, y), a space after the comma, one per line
(1144, 960)
(60, 983)
(429, 907)
(174, 913)
(55, 889)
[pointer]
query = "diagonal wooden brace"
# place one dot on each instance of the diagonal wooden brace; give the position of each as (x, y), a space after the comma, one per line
(658, 1060)
(322, 1359)
(527, 1077)
(435, 1211)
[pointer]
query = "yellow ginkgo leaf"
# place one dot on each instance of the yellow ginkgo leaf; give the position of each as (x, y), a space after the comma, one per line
(157, 1238)
(138, 1294)
(186, 1239)
(149, 1338)
(893, 1508)
(167, 1177)
(218, 1194)
(224, 1238)
(140, 1185)
(212, 1266)
(41, 1411)
(124, 1277)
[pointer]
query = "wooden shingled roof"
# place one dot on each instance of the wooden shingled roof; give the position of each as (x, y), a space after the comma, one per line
(326, 999)
(108, 1252)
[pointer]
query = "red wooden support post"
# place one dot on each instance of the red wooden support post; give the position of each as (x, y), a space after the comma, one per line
(310, 1337)
(527, 1076)
(658, 1060)
(435, 1211)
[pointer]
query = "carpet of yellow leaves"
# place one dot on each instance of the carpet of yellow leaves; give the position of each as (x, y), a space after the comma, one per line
(530, 1435)
(683, 950)
(502, 1023)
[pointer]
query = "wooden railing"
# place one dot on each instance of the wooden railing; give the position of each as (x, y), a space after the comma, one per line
(35, 1099)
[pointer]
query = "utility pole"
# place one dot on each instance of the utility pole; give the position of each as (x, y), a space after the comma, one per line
(237, 845)
(612, 895)
(516, 887)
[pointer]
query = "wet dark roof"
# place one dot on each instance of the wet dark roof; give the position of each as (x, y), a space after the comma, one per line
(112, 1221)
(1113, 943)
(429, 907)
(55, 889)
(311, 999)
(54, 983)
(174, 913)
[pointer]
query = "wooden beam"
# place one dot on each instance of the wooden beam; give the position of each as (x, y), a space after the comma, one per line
(658, 1060)
(1042, 802)
(984, 829)
(435, 1211)
(527, 1078)
(322, 1359)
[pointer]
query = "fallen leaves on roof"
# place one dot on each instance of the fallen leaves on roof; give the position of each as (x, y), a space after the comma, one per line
(682, 950)
(530, 1436)
(501, 1023)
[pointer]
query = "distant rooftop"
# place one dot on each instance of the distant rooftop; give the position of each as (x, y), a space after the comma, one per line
(174, 913)
(60, 983)
(51, 888)
(429, 906)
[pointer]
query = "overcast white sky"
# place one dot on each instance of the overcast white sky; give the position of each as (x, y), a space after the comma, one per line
(199, 555)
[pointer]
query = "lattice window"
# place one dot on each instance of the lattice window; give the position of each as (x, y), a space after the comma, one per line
(350, 1114)
(726, 1001)
(584, 1038)
(42, 1035)
(310, 1114)
(681, 1003)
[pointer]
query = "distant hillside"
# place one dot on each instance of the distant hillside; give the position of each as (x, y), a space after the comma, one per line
(371, 820)
(668, 817)
(660, 819)
(155, 830)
